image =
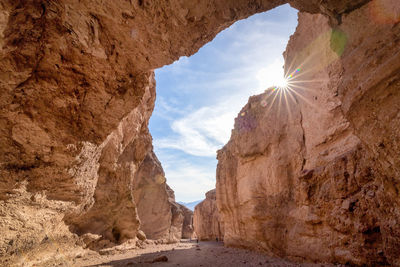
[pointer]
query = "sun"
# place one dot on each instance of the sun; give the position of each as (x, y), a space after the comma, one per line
(281, 82)
(272, 76)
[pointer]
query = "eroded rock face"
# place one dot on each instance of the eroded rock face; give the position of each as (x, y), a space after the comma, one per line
(77, 90)
(152, 199)
(74, 122)
(161, 218)
(311, 176)
(187, 227)
(206, 220)
(111, 212)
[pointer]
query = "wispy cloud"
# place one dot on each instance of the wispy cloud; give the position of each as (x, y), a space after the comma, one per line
(200, 133)
(205, 130)
(188, 177)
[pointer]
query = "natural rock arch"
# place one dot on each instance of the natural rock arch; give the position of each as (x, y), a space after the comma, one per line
(77, 91)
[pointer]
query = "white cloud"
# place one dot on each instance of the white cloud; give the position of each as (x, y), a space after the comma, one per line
(178, 66)
(190, 180)
(169, 107)
(202, 132)
(271, 74)
(205, 130)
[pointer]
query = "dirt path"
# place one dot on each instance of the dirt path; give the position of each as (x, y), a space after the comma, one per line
(187, 254)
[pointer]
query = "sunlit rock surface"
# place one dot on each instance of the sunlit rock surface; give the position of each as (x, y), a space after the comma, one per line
(187, 226)
(206, 220)
(77, 91)
(161, 218)
(312, 173)
(151, 198)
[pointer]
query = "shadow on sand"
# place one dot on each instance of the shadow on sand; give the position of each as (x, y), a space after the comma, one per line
(199, 254)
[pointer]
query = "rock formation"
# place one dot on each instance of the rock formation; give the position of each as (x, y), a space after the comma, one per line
(310, 172)
(187, 226)
(160, 216)
(206, 220)
(77, 90)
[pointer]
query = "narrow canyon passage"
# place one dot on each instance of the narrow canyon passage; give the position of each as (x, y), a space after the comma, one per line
(199, 97)
(309, 173)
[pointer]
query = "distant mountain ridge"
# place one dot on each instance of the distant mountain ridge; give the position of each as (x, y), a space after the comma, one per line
(190, 205)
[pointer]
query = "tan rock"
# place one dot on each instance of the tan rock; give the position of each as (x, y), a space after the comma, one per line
(141, 235)
(187, 226)
(206, 220)
(89, 238)
(160, 259)
(151, 198)
(175, 231)
(160, 216)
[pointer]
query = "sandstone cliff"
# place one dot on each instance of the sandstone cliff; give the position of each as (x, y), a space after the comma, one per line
(206, 220)
(310, 172)
(77, 90)
(160, 217)
(187, 226)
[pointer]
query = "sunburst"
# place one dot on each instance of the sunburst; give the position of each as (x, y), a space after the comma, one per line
(289, 90)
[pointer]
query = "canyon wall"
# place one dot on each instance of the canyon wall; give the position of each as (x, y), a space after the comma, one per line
(161, 218)
(152, 199)
(77, 90)
(187, 226)
(311, 172)
(206, 220)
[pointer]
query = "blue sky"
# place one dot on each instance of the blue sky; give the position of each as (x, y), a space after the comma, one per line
(199, 97)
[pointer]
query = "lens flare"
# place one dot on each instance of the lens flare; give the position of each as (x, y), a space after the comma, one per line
(283, 83)
(385, 11)
(287, 92)
(280, 83)
(290, 76)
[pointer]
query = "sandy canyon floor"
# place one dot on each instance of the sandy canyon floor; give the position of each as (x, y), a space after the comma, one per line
(186, 254)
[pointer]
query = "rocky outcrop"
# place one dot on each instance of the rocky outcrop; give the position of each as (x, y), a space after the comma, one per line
(187, 226)
(206, 220)
(152, 200)
(309, 172)
(110, 211)
(161, 218)
(77, 90)
(175, 233)
(181, 224)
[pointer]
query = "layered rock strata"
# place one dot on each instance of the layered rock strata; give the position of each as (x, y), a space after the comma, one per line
(310, 171)
(206, 220)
